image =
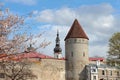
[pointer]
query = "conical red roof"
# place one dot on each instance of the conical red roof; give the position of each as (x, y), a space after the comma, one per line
(76, 31)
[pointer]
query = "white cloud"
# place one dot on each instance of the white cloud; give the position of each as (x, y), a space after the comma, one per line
(104, 22)
(25, 2)
(98, 21)
(61, 16)
(98, 50)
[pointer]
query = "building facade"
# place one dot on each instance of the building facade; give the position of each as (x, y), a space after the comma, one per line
(102, 72)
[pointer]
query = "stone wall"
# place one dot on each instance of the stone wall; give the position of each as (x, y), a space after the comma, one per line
(49, 69)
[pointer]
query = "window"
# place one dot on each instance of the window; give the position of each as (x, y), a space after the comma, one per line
(75, 40)
(83, 40)
(39, 59)
(2, 75)
(83, 54)
(94, 77)
(111, 73)
(57, 56)
(118, 73)
(103, 72)
(80, 40)
(72, 54)
(93, 70)
(72, 66)
(67, 41)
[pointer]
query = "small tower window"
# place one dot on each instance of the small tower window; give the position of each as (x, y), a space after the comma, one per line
(83, 54)
(83, 40)
(75, 40)
(39, 59)
(67, 40)
(72, 54)
(72, 66)
(57, 56)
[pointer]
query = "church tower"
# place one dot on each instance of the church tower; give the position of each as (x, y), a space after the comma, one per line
(76, 52)
(57, 49)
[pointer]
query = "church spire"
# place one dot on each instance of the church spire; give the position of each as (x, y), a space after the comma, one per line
(57, 38)
(57, 49)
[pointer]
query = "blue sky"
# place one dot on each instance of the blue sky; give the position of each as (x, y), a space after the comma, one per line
(24, 6)
(99, 18)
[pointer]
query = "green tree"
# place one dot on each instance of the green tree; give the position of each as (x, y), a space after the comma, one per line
(114, 49)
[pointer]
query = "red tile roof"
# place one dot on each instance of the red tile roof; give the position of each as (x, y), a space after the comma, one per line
(34, 55)
(3, 55)
(76, 31)
(96, 59)
(20, 56)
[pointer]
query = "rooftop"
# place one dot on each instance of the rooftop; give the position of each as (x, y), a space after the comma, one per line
(24, 55)
(96, 59)
(76, 31)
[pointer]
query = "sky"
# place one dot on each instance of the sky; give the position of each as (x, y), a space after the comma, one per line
(99, 18)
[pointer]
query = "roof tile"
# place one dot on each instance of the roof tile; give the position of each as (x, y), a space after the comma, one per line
(76, 31)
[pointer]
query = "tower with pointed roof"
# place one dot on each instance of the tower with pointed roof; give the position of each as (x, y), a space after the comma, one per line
(76, 52)
(57, 49)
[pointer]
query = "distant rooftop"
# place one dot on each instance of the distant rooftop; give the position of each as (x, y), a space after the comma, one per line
(20, 56)
(96, 59)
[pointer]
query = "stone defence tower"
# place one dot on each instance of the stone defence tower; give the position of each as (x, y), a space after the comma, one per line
(57, 49)
(76, 52)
